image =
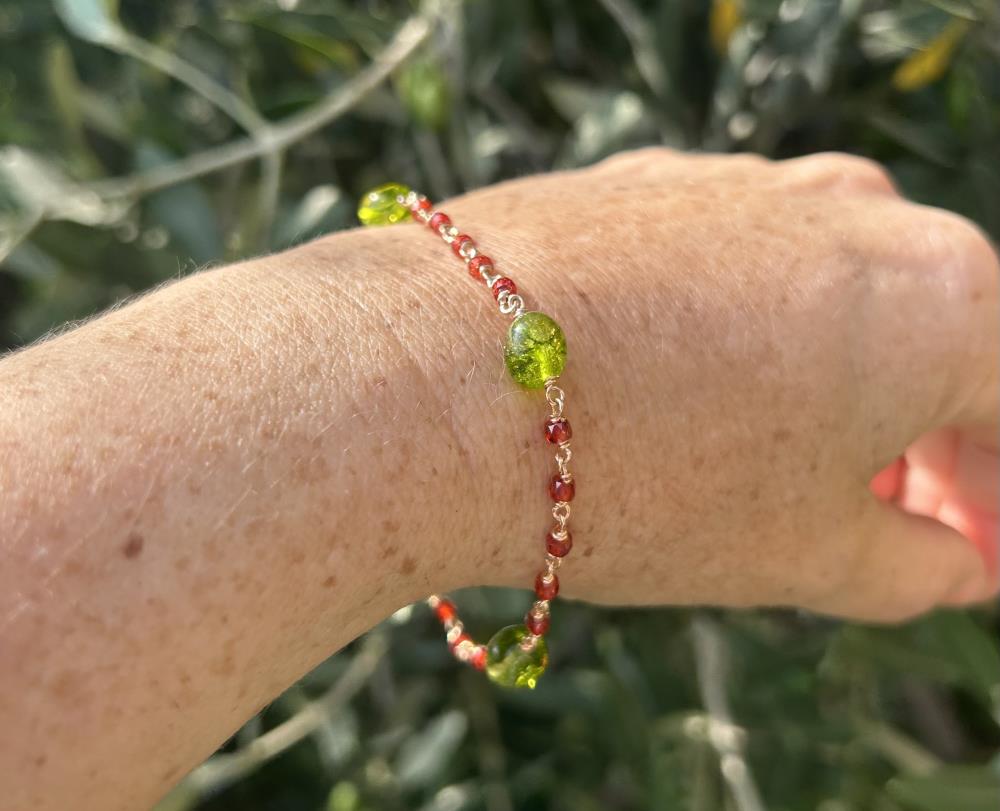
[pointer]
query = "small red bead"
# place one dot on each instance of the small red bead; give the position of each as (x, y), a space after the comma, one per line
(460, 639)
(445, 610)
(538, 625)
(459, 242)
(478, 658)
(546, 589)
(501, 284)
(438, 220)
(558, 547)
(557, 430)
(478, 262)
(422, 204)
(562, 490)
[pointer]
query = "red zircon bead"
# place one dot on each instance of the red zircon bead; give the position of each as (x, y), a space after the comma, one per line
(557, 430)
(478, 658)
(460, 241)
(561, 489)
(477, 263)
(439, 220)
(546, 589)
(502, 284)
(558, 547)
(422, 204)
(445, 610)
(538, 624)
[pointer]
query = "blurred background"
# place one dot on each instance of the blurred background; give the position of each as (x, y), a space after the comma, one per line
(140, 141)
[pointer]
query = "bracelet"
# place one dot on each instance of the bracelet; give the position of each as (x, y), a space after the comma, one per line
(535, 354)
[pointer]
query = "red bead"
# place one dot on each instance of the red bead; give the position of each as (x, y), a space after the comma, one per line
(502, 284)
(558, 547)
(445, 610)
(422, 204)
(546, 589)
(557, 430)
(478, 658)
(438, 220)
(460, 241)
(460, 639)
(478, 262)
(560, 489)
(537, 624)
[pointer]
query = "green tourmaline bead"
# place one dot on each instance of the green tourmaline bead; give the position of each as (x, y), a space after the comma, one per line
(381, 206)
(509, 664)
(535, 350)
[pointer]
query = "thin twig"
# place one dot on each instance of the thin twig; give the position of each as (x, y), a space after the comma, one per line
(711, 659)
(282, 135)
(223, 770)
(201, 83)
(267, 199)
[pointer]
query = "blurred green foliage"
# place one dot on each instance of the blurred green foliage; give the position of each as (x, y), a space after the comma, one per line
(141, 140)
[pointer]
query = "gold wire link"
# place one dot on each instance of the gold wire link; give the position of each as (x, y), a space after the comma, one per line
(555, 397)
(563, 455)
(561, 511)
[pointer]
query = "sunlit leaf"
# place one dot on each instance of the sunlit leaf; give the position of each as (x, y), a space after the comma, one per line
(92, 20)
(726, 16)
(425, 93)
(64, 87)
(314, 214)
(930, 63)
(42, 189)
(426, 753)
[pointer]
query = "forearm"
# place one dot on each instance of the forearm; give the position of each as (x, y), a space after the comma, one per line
(207, 492)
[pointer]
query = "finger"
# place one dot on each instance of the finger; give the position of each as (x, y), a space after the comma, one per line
(955, 477)
(888, 482)
(956, 466)
(904, 565)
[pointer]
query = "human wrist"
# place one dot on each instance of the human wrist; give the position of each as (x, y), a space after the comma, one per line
(444, 429)
(497, 471)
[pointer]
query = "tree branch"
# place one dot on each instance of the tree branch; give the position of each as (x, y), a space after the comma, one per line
(711, 659)
(281, 135)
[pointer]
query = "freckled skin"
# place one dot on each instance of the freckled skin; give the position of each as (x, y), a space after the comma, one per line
(244, 470)
(133, 546)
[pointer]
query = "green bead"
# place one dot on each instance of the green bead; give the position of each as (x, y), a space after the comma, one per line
(509, 663)
(535, 350)
(381, 206)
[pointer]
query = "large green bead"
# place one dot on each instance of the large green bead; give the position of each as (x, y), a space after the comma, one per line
(513, 662)
(381, 206)
(535, 349)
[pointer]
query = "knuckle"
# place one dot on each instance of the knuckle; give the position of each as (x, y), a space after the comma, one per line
(840, 169)
(964, 242)
(748, 160)
(643, 155)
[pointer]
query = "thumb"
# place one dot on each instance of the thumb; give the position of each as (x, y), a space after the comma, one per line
(905, 565)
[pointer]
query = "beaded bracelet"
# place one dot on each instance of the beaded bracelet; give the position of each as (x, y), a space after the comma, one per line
(535, 354)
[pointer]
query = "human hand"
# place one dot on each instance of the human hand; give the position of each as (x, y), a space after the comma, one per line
(751, 343)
